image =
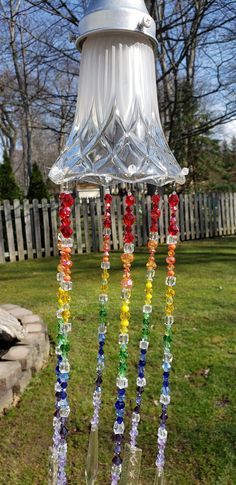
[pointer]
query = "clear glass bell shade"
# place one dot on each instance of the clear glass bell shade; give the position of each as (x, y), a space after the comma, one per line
(117, 135)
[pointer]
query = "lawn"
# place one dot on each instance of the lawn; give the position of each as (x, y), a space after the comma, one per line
(202, 423)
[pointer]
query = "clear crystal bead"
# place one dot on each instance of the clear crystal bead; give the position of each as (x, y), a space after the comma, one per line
(102, 328)
(150, 274)
(172, 239)
(105, 265)
(144, 344)
(65, 328)
(147, 308)
(66, 285)
(64, 411)
(153, 236)
(60, 276)
(169, 320)
(125, 294)
(171, 280)
(141, 381)
(119, 428)
(122, 382)
(116, 469)
(103, 298)
(123, 339)
(107, 231)
(128, 248)
(168, 357)
(64, 366)
(66, 242)
(135, 417)
(162, 433)
(164, 399)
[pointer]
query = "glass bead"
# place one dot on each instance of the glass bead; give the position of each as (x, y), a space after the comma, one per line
(153, 236)
(103, 298)
(162, 433)
(60, 276)
(143, 344)
(66, 242)
(147, 308)
(119, 428)
(105, 265)
(64, 411)
(168, 357)
(126, 293)
(171, 281)
(135, 418)
(122, 382)
(169, 320)
(64, 366)
(117, 470)
(102, 329)
(123, 339)
(66, 285)
(172, 239)
(150, 274)
(128, 248)
(164, 399)
(107, 231)
(166, 366)
(141, 382)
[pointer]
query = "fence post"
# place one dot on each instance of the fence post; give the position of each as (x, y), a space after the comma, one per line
(46, 231)
(9, 229)
(2, 255)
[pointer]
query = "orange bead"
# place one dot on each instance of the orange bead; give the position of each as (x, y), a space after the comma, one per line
(67, 250)
(171, 273)
(105, 259)
(151, 265)
(127, 258)
(170, 260)
(152, 244)
(67, 278)
(171, 247)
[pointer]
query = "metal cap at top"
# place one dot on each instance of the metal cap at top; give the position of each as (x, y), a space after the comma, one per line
(116, 16)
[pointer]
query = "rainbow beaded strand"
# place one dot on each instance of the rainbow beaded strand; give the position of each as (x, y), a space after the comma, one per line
(147, 309)
(122, 381)
(62, 409)
(103, 299)
(169, 320)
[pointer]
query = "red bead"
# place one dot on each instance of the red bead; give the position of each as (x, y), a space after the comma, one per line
(66, 231)
(129, 219)
(173, 200)
(66, 199)
(65, 222)
(130, 200)
(156, 199)
(155, 214)
(108, 198)
(107, 223)
(64, 212)
(173, 230)
(129, 238)
(153, 228)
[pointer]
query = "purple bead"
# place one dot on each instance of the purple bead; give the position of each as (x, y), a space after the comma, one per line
(118, 438)
(117, 460)
(137, 409)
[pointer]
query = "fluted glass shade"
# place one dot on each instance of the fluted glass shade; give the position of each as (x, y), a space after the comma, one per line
(117, 135)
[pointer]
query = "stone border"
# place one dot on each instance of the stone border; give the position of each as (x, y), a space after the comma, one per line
(24, 359)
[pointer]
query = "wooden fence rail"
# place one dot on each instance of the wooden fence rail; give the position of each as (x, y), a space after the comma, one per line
(29, 230)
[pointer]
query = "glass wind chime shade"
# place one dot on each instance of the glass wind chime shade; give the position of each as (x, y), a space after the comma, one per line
(117, 135)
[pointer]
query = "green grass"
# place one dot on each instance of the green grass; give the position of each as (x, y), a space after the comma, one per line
(202, 424)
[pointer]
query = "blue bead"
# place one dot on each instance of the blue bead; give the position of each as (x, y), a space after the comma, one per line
(59, 358)
(119, 405)
(101, 337)
(63, 395)
(121, 393)
(101, 352)
(166, 366)
(120, 412)
(64, 385)
(141, 375)
(166, 375)
(119, 420)
(165, 390)
(139, 400)
(57, 369)
(143, 351)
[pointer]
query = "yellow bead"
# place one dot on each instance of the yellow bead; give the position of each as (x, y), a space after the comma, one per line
(66, 314)
(124, 323)
(149, 296)
(149, 285)
(125, 308)
(123, 330)
(169, 309)
(60, 302)
(170, 292)
(124, 316)
(104, 288)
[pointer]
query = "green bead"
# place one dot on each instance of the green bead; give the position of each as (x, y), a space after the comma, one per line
(123, 369)
(146, 317)
(123, 356)
(65, 348)
(167, 339)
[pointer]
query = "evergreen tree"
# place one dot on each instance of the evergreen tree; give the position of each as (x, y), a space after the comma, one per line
(9, 189)
(37, 187)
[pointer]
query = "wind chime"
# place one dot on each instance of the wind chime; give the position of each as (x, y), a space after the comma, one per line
(116, 137)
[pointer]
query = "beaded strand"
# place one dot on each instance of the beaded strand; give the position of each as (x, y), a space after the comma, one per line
(103, 299)
(147, 309)
(169, 320)
(122, 381)
(62, 409)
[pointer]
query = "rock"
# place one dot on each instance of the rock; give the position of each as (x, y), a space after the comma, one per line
(36, 328)
(6, 400)
(21, 385)
(20, 312)
(10, 328)
(10, 373)
(9, 306)
(31, 319)
(24, 354)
